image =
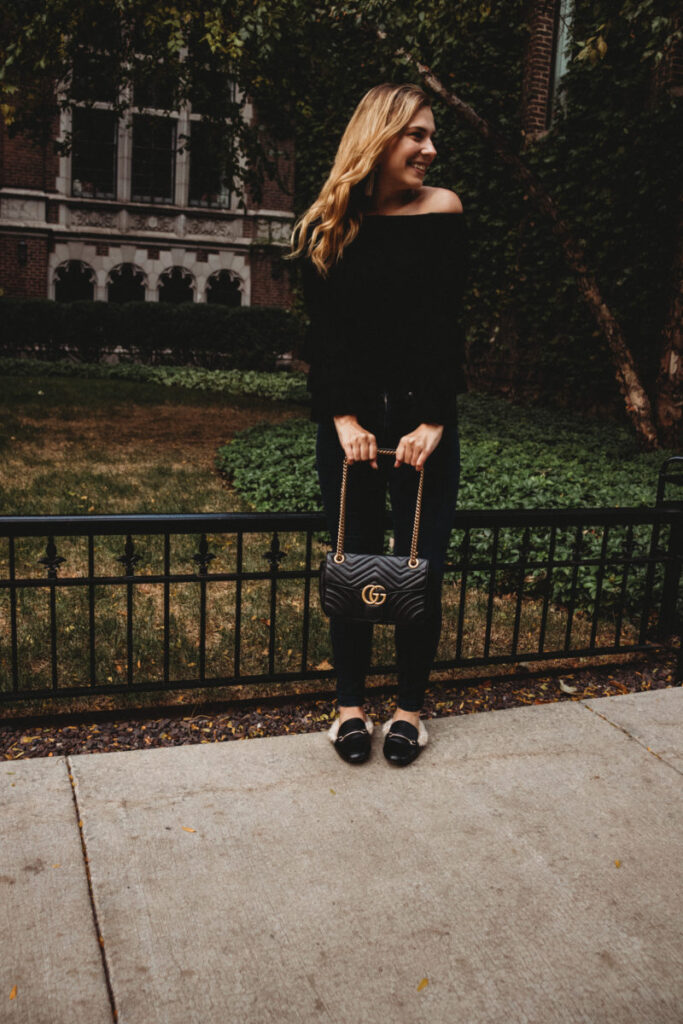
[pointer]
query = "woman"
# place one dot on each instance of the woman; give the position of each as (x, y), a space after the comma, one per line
(383, 276)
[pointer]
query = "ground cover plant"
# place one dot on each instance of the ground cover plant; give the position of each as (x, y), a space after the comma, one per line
(513, 456)
(284, 387)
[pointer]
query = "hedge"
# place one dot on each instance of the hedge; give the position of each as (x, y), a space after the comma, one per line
(156, 333)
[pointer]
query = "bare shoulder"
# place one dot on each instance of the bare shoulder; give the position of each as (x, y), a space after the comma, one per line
(440, 200)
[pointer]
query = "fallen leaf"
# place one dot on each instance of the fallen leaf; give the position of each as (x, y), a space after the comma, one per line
(323, 666)
(566, 688)
(13, 993)
(333, 792)
(617, 863)
(56, 865)
(186, 829)
(423, 984)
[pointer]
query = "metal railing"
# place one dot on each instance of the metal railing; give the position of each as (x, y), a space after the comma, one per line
(99, 604)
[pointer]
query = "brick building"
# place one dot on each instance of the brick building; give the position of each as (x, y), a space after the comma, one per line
(131, 214)
(545, 63)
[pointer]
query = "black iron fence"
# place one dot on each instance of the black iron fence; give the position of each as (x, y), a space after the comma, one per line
(138, 603)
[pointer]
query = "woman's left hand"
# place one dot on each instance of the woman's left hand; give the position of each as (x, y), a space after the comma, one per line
(415, 448)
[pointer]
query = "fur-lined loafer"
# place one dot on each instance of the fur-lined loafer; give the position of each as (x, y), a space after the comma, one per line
(403, 742)
(352, 739)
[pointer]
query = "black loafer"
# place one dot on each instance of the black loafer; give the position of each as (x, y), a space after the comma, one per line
(352, 739)
(403, 742)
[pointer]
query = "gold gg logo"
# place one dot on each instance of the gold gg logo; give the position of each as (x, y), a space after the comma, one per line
(374, 593)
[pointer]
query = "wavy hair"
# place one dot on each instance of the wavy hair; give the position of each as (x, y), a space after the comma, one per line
(333, 220)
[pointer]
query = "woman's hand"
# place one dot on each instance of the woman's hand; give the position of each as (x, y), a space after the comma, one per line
(359, 445)
(415, 448)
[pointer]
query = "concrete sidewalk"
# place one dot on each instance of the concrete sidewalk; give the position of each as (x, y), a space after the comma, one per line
(527, 868)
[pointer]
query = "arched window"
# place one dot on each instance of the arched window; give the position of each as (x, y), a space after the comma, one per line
(74, 280)
(176, 285)
(126, 284)
(223, 287)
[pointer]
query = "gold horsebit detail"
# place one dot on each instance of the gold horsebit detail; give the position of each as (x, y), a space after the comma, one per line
(374, 593)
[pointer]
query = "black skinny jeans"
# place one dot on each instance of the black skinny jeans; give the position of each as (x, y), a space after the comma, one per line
(416, 645)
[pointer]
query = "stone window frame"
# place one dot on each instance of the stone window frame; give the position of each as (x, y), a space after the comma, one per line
(231, 203)
(64, 265)
(183, 117)
(184, 272)
(564, 16)
(140, 271)
(234, 275)
(72, 190)
(119, 251)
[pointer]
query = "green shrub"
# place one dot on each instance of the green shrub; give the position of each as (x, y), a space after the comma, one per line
(35, 322)
(89, 329)
(156, 333)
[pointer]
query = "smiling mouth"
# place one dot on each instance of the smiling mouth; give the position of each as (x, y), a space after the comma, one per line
(420, 168)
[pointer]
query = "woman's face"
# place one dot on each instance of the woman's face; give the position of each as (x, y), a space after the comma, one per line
(406, 160)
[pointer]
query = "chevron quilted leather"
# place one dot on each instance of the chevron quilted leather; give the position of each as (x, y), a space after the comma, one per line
(375, 588)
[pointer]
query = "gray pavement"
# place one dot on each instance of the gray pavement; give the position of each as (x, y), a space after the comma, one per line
(527, 868)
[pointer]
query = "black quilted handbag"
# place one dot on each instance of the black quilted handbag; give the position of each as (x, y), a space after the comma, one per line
(375, 588)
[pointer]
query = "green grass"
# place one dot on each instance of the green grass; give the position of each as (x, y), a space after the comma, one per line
(71, 446)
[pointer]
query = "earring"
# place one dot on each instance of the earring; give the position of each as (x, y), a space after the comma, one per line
(370, 183)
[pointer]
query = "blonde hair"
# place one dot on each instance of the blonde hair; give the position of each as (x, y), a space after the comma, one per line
(333, 220)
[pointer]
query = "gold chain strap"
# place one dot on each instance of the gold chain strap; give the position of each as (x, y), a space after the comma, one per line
(339, 555)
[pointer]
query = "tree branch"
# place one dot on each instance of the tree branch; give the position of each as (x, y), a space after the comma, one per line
(638, 407)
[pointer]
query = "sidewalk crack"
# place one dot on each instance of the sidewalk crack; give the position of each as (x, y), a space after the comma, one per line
(86, 865)
(635, 739)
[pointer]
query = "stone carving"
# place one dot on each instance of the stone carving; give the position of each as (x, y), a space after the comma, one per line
(76, 266)
(153, 222)
(215, 228)
(23, 209)
(93, 218)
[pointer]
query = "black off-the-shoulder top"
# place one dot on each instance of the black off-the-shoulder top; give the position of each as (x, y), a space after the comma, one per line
(387, 318)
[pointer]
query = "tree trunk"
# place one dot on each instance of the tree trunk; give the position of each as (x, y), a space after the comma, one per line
(637, 403)
(669, 386)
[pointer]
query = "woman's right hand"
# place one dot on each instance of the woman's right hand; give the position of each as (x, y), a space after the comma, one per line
(359, 444)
